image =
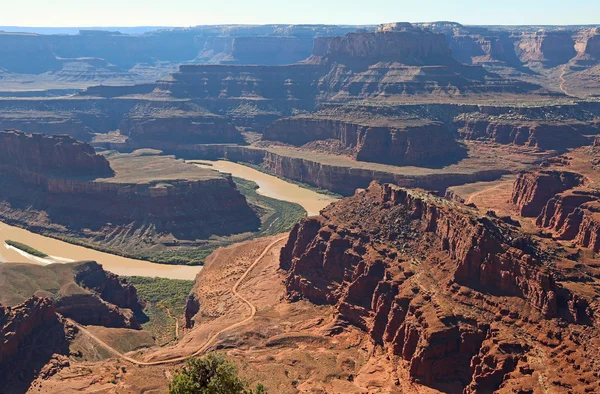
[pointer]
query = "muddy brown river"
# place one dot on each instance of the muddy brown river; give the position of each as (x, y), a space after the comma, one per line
(271, 186)
(61, 252)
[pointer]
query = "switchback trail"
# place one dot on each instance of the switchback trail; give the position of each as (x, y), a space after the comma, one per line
(209, 342)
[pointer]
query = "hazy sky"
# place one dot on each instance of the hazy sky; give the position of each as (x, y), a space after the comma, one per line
(68, 13)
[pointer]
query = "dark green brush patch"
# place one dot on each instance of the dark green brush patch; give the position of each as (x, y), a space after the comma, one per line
(26, 248)
(163, 296)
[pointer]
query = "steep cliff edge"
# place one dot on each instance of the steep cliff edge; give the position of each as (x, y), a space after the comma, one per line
(384, 140)
(184, 123)
(31, 334)
(81, 291)
(565, 198)
(70, 192)
(43, 154)
(532, 191)
(442, 287)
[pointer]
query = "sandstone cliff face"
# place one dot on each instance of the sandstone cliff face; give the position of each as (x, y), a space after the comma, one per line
(561, 203)
(559, 136)
(112, 213)
(30, 335)
(337, 178)
(532, 191)
(574, 215)
(57, 154)
(403, 44)
(401, 145)
(148, 124)
(409, 268)
(548, 47)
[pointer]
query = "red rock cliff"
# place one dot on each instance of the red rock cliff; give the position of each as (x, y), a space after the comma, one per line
(402, 144)
(532, 191)
(411, 270)
(55, 154)
(31, 334)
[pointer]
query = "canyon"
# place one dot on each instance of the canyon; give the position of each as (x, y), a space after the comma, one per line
(37, 304)
(61, 187)
(425, 278)
(463, 258)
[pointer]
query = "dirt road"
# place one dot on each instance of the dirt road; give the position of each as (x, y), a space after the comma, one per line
(210, 341)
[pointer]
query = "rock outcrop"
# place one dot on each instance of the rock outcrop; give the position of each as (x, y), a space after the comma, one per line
(81, 291)
(402, 143)
(565, 203)
(426, 277)
(40, 192)
(541, 135)
(183, 124)
(552, 48)
(31, 334)
(394, 43)
(532, 191)
(62, 155)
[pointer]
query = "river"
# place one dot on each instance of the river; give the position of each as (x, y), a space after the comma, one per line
(271, 186)
(61, 252)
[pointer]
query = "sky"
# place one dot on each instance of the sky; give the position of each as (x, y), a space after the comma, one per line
(82, 13)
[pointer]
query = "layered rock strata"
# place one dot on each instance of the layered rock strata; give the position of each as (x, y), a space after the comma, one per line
(426, 278)
(58, 184)
(532, 191)
(31, 334)
(81, 291)
(405, 143)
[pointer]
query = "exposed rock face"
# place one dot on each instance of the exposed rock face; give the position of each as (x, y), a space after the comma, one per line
(401, 43)
(574, 215)
(30, 335)
(406, 144)
(112, 212)
(532, 191)
(57, 154)
(150, 124)
(557, 136)
(81, 291)
(407, 268)
(342, 179)
(547, 47)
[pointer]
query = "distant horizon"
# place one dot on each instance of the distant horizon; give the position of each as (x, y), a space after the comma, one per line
(190, 13)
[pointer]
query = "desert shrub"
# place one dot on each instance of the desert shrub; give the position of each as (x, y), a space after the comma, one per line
(211, 374)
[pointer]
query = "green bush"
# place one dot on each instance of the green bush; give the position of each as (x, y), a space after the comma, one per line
(26, 248)
(211, 374)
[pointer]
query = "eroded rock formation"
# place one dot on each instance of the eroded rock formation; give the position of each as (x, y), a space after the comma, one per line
(93, 205)
(31, 334)
(426, 278)
(401, 143)
(38, 153)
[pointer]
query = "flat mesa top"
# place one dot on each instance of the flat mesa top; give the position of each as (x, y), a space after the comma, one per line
(147, 165)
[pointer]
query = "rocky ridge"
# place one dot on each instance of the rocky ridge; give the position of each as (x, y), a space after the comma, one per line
(428, 279)
(108, 210)
(31, 335)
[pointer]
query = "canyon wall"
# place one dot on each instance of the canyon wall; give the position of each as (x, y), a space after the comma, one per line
(50, 154)
(342, 179)
(183, 123)
(31, 334)
(401, 43)
(546, 136)
(410, 269)
(565, 203)
(74, 202)
(404, 144)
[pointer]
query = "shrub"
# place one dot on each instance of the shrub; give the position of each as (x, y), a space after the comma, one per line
(211, 374)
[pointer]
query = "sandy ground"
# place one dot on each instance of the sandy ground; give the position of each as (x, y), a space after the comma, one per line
(289, 347)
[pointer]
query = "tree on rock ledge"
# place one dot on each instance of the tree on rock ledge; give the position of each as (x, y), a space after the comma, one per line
(212, 374)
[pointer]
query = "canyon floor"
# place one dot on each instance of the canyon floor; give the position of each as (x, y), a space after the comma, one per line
(289, 347)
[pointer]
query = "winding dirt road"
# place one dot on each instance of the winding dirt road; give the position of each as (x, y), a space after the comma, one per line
(210, 341)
